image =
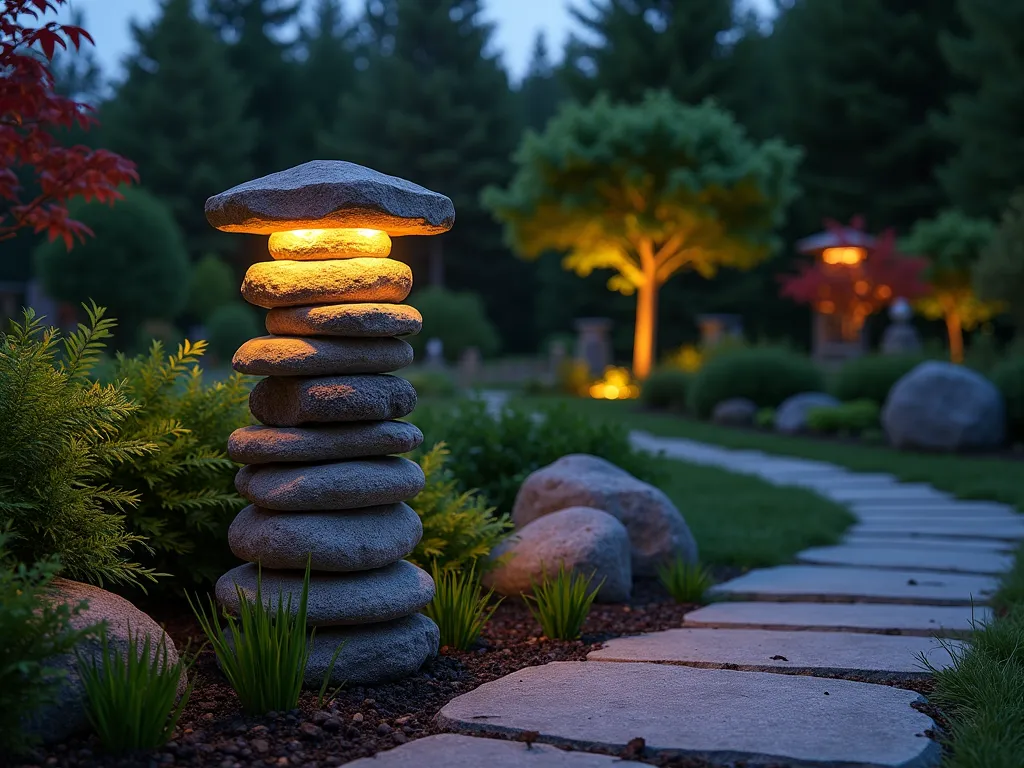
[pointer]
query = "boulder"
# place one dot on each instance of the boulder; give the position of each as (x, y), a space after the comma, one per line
(65, 716)
(939, 406)
(292, 401)
(735, 412)
(657, 531)
(352, 320)
(372, 653)
(791, 415)
(266, 445)
(582, 539)
(298, 356)
(270, 284)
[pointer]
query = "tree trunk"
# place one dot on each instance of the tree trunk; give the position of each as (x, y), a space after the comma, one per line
(646, 325)
(954, 328)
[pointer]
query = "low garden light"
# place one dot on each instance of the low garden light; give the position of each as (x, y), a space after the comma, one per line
(617, 384)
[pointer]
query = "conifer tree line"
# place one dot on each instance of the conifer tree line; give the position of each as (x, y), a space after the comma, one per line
(903, 109)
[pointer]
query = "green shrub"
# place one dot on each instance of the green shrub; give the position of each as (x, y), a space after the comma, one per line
(459, 608)
(459, 320)
(573, 377)
(459, 529)
(430, 383)
(765, 418)
(852, 418)
(60, 437)
(665, 389)
(765, 375)
(33, 630)
(494, 453)
(131, 697)
(686, 582)
(229, 326)
(561, 603)
(213, 286)
(1008, 376)
(872, 376)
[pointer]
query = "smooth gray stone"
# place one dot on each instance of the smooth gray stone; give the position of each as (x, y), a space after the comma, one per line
(372, 653)
(266, 445)
(734, 412)
(866, 656)
(351, 320)
(847, 584)
(335, 599)
(355, 540)
(582, 539)
(325, 194)
(450, 750)
(919, 558)
(922, 620)
(270, 284)
(931, 542)
(330, 487)
(286, 401)
(791, 415)
(975, 529)
(716, 715)
(297, 356)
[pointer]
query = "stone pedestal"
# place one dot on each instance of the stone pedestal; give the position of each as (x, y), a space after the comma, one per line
(900, 337)
(593, 347)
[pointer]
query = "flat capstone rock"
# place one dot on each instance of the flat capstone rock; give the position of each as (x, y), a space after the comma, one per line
(969, 528)
(270, 284)
(837, 583)
(865, 656)
(335, 599)
(324, 194)
(364, 320)
(921, 558)
(265, 445)
(296, 356)
(921, 620)
(372, 653)
(451, 750)
(336, 486)
(720, 716)
(354, 540)
(282, 401)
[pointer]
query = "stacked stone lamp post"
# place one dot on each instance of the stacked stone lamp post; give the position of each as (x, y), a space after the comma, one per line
(322, 474)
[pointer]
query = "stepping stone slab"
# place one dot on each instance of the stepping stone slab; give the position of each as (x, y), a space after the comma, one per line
(327, 194)
(976, 529)
(270, 284)
(881, 657)
(335, 599)
(931, 542)
(951, 506)
(283, 401)
(264, 445)
(720, 716)
(922, 558)
(352, 320)
(898, 494)
(372, 653)
(330, 487)
(847, 584)
(910, 514)
(922, 620)
(451, 750)
(355, 540)
(296, 356)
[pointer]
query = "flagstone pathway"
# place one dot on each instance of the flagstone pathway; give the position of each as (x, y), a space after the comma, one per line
(786, 670)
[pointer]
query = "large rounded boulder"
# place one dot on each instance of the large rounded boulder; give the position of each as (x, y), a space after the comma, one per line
(791, 415)
(657, 531)
(944, 407)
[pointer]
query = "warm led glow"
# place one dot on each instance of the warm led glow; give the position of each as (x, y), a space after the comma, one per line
(826, 307)
(322, 244)
(848, 255)
(861, 287)
(616, 385)
(883, 291)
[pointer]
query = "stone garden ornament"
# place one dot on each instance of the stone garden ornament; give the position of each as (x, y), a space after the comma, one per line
(321, 471)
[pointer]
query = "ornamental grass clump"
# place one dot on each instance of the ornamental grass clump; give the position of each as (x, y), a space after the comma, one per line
(131, 696)
(561, 603)
(686, 582)
(459, 608)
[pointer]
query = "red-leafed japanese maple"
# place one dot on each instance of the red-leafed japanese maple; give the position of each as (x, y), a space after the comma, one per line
(852, 292)
(38, 176)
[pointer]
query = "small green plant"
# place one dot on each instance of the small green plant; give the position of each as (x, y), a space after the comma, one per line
(765, 418)
(560, 604)
(263, 652)
(845, 419)
(459, 608)
(686, 582)
(665, 389)
(132, 696)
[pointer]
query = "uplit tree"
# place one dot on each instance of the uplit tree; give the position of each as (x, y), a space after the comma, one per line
(646, 190)
(952, 243)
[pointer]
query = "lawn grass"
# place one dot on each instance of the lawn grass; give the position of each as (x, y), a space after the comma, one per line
(963, 476)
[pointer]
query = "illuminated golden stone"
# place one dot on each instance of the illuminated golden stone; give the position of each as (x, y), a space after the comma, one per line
(321, 244)
(270, 284)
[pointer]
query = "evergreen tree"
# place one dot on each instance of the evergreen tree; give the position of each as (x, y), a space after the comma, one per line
(179, 115)
(985, 122)
(325, 73)
(541, 91)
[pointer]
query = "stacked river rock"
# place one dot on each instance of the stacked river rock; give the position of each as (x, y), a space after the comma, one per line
(320, 471)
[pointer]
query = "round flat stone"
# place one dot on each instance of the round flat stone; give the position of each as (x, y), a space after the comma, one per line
(289, 356)
(320, 244)
(271, 284)
(341, 485)
(356, 540)
(263, 445)
(372, 653)
(345, 320)
(335, 599)
(284, 401)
